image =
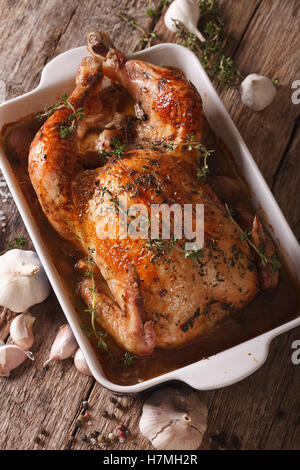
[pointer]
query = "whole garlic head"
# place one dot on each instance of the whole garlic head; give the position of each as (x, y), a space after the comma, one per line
(23, 281)
(257, 91)
(174, 419)
(185, 11)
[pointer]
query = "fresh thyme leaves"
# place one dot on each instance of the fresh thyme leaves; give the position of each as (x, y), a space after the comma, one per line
(162, 245)
(169, 145)
(69, 127)
(194, 254)
(146, 38)
(90, 274)
(17, 243)
(155, 13)
(275, 264)
(273, 261)
(49, 110)
(211, 52)
(190, 323)
(191, 144)
(104, 155)
(112, 199)
(87, 331)
(100, 336)
(127, 360)
(75, 116)
(187, 38)
(118, 150)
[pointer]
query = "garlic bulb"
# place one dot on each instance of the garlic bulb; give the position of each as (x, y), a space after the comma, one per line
(21, 330)
(187, 12)
(257, 91)
(174, 419)
(81, 364)
(11, 357)
(64, 345)
(23, 281)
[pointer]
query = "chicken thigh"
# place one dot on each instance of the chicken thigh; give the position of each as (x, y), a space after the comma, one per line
(160, 297)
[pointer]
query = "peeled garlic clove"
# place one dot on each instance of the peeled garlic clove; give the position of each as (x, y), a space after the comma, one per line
(11, 357)
(64, 345)
(23, 281)
(174, 419)
(185, 11)
(21, 330)
(81, 364)
(257, 91)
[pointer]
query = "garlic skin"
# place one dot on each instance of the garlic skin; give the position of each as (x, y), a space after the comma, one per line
(257, 91)
(186, 11)
(64, 345)
(11, 357)
(21, 330)
(81, 364)
(174, 419)
(23, 281)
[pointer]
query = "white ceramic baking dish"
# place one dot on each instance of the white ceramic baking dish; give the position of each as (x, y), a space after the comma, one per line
(232, 364)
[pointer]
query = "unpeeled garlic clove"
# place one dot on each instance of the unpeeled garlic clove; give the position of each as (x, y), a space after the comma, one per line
(81, 364)
(64, 345)
(257, 91)
(21, 330)
(11, 357)
(187, 12)
(174, 419)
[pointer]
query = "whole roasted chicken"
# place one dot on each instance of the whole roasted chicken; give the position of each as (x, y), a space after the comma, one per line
(159, 295)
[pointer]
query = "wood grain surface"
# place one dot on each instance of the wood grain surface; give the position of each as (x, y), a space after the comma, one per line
(40, 407)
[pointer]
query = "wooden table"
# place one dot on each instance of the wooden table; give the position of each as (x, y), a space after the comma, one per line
(261, 412)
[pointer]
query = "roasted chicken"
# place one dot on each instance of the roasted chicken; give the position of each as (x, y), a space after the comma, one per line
(158, 296)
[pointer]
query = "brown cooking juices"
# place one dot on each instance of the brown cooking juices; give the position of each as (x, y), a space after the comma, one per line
(268, 310)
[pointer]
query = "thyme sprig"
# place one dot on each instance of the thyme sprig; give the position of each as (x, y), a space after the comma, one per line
(146, 38)
(192, 144)
(15, 243)
(100, 336)
(211, 52)
(127, 360)
(194, 254)
(68, 128)
(118, 150)
(273, 261)
(49, 110)
(18, 242)
(155, 13)
(162, 246)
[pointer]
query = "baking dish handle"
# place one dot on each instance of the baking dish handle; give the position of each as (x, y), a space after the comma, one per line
(228, 367)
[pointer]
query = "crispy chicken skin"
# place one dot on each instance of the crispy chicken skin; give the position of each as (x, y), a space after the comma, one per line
(159, 298)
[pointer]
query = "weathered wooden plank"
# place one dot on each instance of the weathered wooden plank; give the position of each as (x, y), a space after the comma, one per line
(287, 182)
(260, 412)
(269, 47)
(103, 15)
(236, 17)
